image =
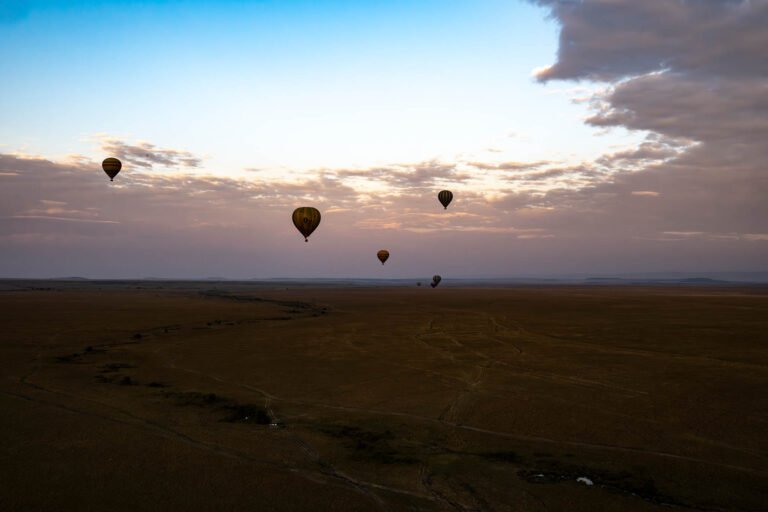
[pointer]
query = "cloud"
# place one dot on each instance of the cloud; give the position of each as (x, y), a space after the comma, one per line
(508, 166)
(708, 109)
(606, 40)
(694, 76)
(407, 176)
(147, 155)
(66, 219)
(649, 151)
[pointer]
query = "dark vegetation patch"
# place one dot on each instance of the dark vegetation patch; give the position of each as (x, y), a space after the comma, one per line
(213, 324)
(623, 482)
(114, 367)
(155, 384)
(75, 357)
(476, 496)
(195, 398)
(293, 306)
(127, 381)
(230, 410)
(121, 380)
(247, 414)
(368, 445)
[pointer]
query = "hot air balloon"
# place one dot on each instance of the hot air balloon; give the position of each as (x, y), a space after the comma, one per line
(435, 281)
(306, 219)
(445, 197)
(383, 255)
(111, 166)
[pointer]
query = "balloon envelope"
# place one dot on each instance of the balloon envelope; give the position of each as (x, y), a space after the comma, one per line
(306, 219)
(445, 197)
(383, 255)
(111, 166)
(435, 281)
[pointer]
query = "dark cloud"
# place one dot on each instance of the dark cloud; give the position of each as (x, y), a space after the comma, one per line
(147, 155)
(711, 110)
(694, 74)
(610, 39)
(692, 70)
(649, 152)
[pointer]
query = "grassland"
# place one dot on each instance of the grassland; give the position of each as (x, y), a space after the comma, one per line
(204, 396)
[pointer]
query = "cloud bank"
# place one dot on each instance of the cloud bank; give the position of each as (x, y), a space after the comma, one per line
(695, 75)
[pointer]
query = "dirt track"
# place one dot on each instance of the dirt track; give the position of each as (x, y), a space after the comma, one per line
(247, 398)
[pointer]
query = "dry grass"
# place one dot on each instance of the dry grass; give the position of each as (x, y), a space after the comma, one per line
(384, 399)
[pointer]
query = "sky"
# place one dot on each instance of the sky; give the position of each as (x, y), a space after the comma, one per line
(578, 137)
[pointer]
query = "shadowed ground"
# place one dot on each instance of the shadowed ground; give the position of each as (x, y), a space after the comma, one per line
(157, 396)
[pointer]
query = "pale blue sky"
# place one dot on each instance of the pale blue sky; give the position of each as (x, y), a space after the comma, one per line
(289, 84)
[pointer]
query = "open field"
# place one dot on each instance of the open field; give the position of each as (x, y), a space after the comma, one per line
(205, 396)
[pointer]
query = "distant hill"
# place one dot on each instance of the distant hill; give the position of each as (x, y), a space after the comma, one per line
(704, 280)
(667, 281)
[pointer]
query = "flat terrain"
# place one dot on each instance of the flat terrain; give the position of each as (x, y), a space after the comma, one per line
(161, 396)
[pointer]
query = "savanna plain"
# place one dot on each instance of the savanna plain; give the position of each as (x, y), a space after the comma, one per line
(241, 396)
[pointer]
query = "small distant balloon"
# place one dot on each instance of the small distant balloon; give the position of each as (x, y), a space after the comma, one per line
(418, 284)
(435, 281)
(306, 219)
(445, 197)
(111, 166)
(383, 255)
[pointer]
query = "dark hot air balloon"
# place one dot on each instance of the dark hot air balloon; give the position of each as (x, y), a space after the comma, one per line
(111, 166)
(383, 255)
(306, 219)
(445, 197)
(435, 281)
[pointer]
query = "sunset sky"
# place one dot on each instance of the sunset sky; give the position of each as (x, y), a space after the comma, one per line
(578, 137)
